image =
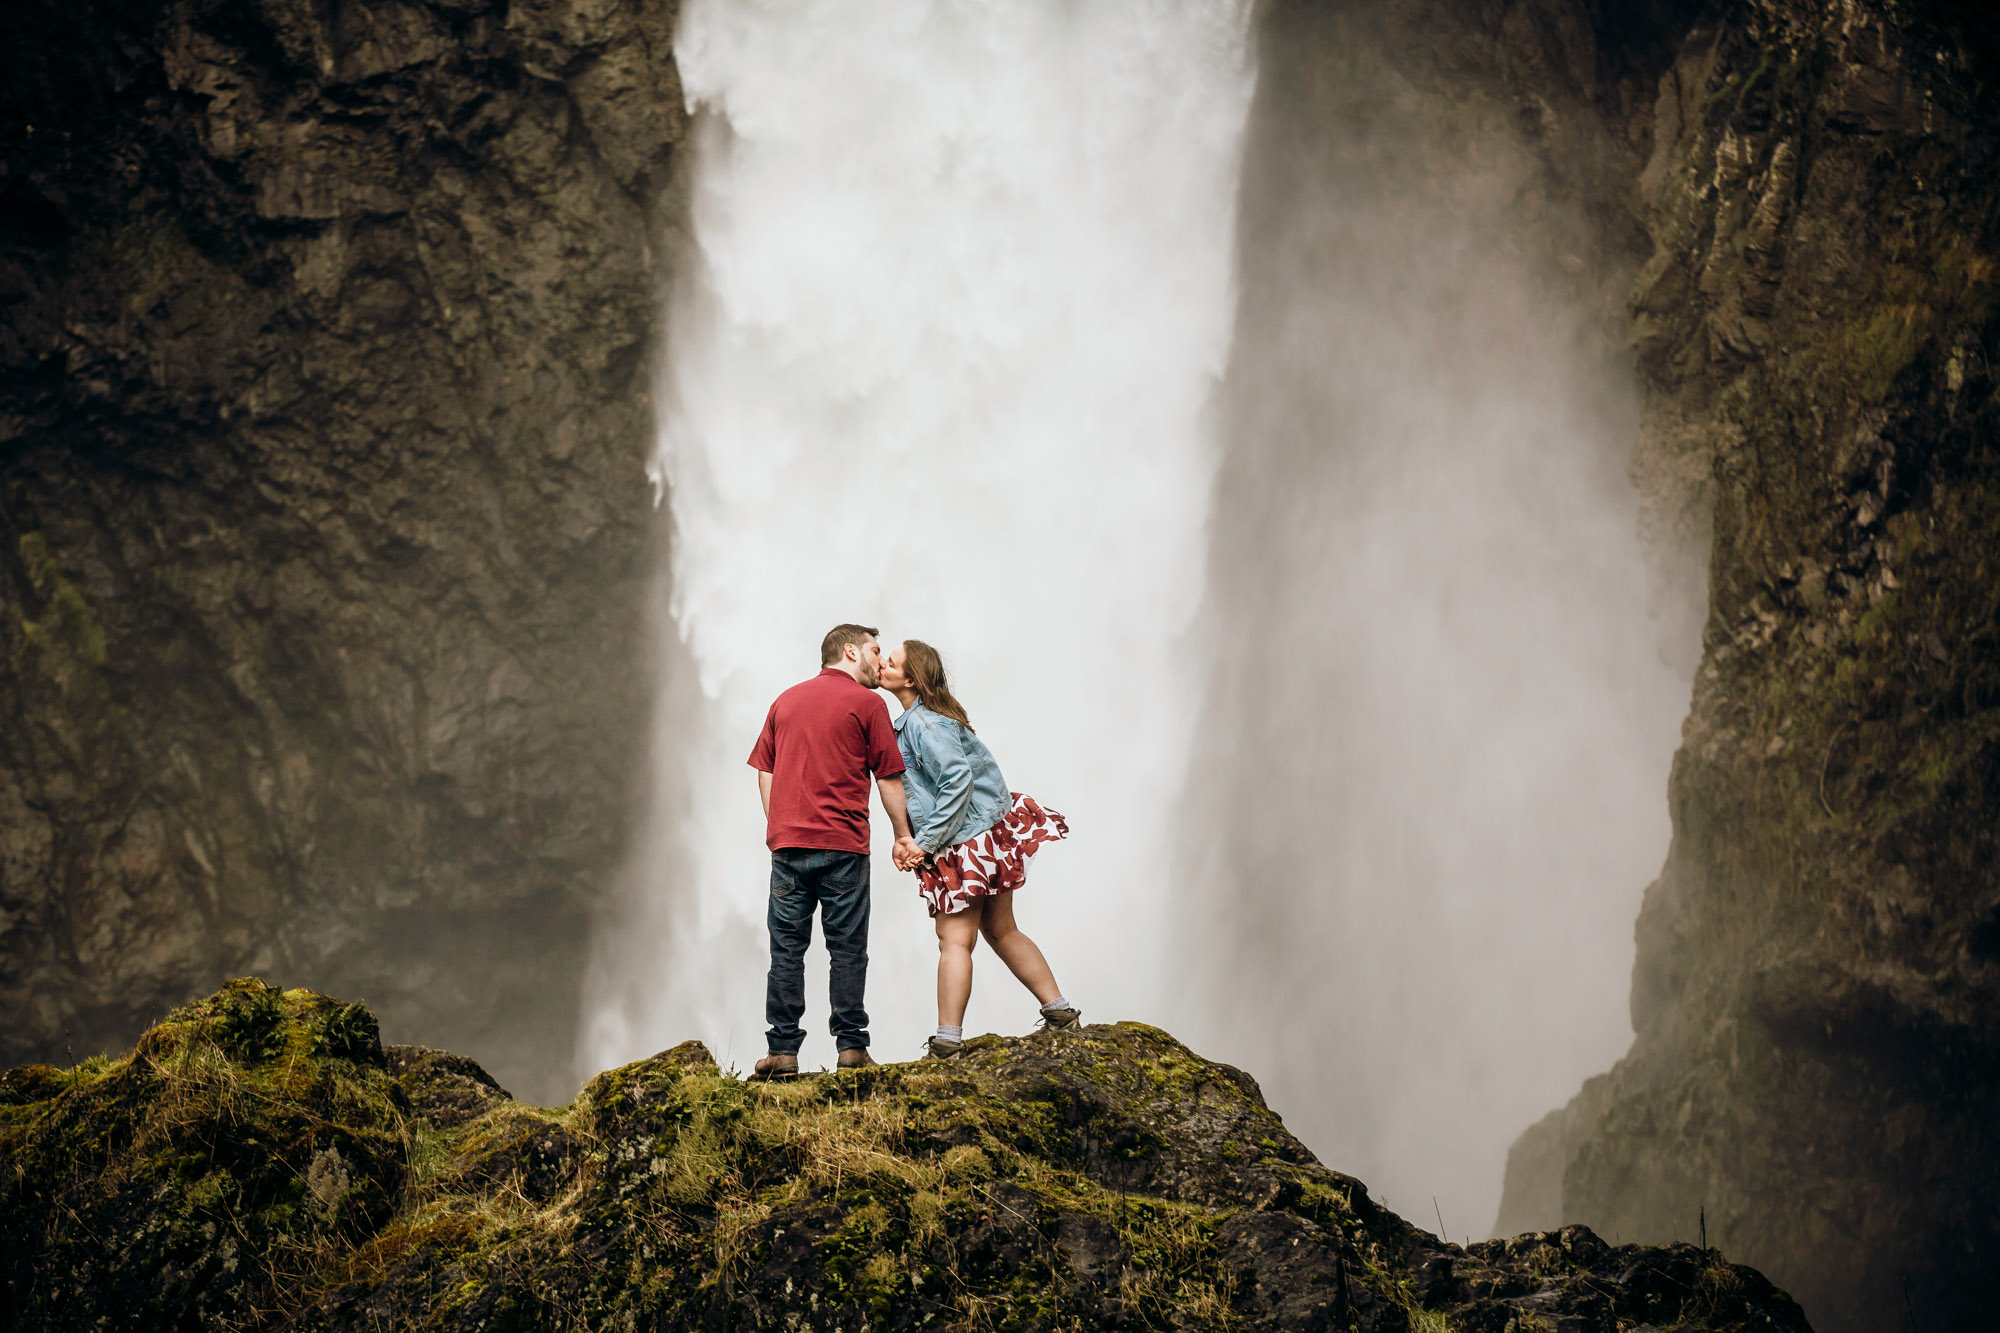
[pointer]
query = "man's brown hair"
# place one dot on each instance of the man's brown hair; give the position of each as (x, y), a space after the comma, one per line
(839, 637)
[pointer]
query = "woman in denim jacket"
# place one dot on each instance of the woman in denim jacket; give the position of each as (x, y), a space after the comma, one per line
(971, 842)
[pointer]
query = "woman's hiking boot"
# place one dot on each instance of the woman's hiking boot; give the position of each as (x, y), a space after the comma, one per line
(776, 1065)
(942, 1048)
(857, 1058)
(1066, 1017)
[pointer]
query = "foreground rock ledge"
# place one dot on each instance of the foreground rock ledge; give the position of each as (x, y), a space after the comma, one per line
(259, 1161)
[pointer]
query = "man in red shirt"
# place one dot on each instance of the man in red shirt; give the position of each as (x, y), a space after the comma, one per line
(821, 741)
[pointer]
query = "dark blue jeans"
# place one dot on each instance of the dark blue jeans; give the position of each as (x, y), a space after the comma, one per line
(837, 884)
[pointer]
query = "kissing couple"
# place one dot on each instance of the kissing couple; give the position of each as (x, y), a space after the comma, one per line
(966, 836)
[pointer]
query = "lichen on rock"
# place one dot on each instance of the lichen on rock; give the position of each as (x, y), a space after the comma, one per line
(258, 1162)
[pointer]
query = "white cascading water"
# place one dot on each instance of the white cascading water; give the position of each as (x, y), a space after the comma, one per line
(963, 293)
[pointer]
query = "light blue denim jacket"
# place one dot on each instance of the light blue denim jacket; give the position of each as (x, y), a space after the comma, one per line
(950, 778)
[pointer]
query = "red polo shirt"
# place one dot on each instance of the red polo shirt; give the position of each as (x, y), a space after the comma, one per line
(821, 740)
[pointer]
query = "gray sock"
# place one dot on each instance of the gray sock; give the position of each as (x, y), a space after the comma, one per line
(948, 1033)
(1058, 1003)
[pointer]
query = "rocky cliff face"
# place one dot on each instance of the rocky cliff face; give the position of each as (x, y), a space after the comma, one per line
(1780, 220)
(259, 1161)
(322, 515)
(1815, 992)
(322, 540)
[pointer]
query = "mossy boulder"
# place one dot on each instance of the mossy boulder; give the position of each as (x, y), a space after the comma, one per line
(247, 1138)
(257, 1161)
(445, 1089)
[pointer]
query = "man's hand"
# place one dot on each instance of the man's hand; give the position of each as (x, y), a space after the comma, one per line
(908, 855)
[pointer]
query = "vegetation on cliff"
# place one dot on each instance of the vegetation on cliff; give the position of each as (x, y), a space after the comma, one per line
(259, 1161)
(1818, 964)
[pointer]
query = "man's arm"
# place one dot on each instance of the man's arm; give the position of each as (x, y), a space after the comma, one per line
(895, 803)
(764, 791)
(898, 806)
(883, 752)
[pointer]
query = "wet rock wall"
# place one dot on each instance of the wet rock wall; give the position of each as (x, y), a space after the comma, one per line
(1814, 994)
(1780, 220)
(323, 526)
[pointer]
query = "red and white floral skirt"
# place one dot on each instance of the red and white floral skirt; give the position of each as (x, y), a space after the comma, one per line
(995, 861)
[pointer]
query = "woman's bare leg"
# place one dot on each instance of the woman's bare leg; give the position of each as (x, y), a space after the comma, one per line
(957, 934)
(1016, 950)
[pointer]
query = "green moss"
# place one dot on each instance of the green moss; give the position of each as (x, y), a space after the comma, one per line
(1875, 624)
(668, 1194)
(68, 623)
(1876, 346)
(860, 1263)
(221, 1131)
(1779, 87)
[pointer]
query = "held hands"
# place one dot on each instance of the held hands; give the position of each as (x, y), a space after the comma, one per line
(908, 856)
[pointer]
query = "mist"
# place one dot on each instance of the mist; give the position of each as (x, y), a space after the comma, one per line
(959, 302)
(1279, 536)
(1429, 787)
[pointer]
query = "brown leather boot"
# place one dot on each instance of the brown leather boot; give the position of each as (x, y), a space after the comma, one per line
(858, 1058)
(776, 1065)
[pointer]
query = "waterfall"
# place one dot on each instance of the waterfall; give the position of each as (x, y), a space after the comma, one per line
(959, 297)
(1429, 784)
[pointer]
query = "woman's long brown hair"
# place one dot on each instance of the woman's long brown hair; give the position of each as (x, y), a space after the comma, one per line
(925, 669)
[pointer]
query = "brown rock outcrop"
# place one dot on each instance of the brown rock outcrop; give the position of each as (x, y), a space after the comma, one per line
(256, 1163)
